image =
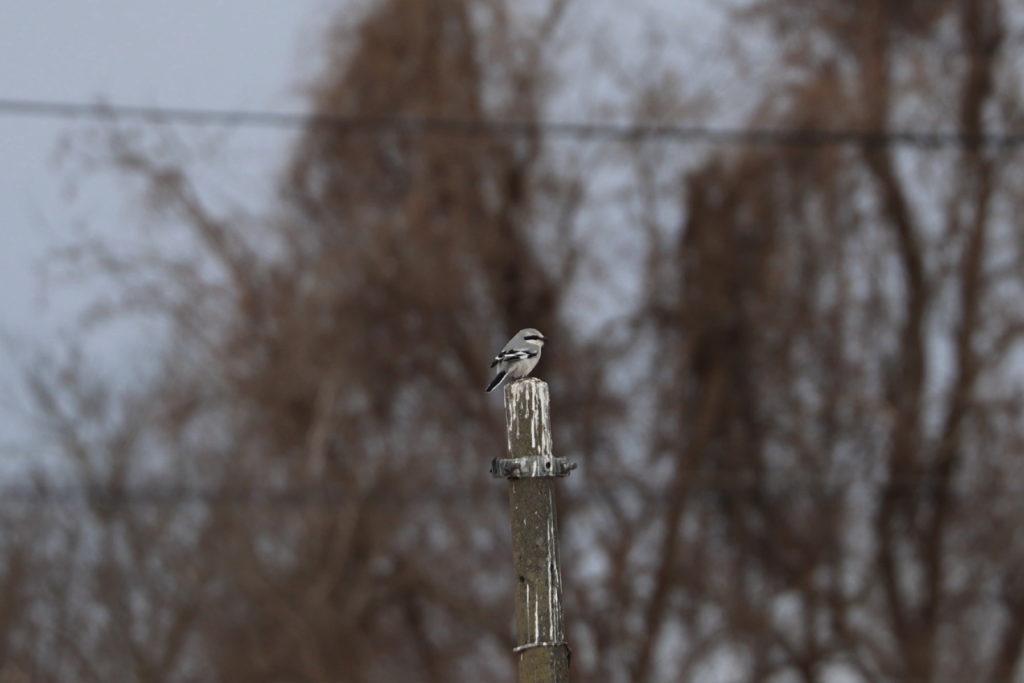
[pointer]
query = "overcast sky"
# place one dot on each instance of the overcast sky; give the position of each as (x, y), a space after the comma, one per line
(200, 54)
(216, 54)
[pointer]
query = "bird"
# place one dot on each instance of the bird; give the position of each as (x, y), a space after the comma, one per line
(518, 357)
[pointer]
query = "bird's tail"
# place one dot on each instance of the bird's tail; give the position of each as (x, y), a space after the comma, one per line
(496, 381)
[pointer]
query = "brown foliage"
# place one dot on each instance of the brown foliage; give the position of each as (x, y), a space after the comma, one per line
(797, 443)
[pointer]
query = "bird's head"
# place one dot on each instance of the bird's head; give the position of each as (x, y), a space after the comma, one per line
(533, 335)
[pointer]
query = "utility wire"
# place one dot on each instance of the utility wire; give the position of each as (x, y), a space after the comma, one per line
(14, 495)
(678, 133)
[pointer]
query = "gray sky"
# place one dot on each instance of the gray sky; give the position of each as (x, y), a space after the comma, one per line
(217, 54)
(213, 54)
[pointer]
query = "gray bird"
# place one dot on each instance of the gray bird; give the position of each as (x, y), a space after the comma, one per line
(519, 356)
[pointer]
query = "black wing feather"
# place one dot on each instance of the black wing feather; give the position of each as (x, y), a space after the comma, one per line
(496, 381)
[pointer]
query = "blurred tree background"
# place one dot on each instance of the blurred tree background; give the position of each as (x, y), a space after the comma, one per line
(788, 365)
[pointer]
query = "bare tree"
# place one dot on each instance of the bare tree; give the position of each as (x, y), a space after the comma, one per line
(798, 438)
(325, 393)
(831, 341)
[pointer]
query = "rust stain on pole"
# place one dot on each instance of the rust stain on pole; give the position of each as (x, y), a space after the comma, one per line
(542, 652)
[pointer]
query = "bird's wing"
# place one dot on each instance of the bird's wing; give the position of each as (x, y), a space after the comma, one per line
(509, 355)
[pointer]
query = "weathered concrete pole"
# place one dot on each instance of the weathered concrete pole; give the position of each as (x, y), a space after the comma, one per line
(542, 651)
